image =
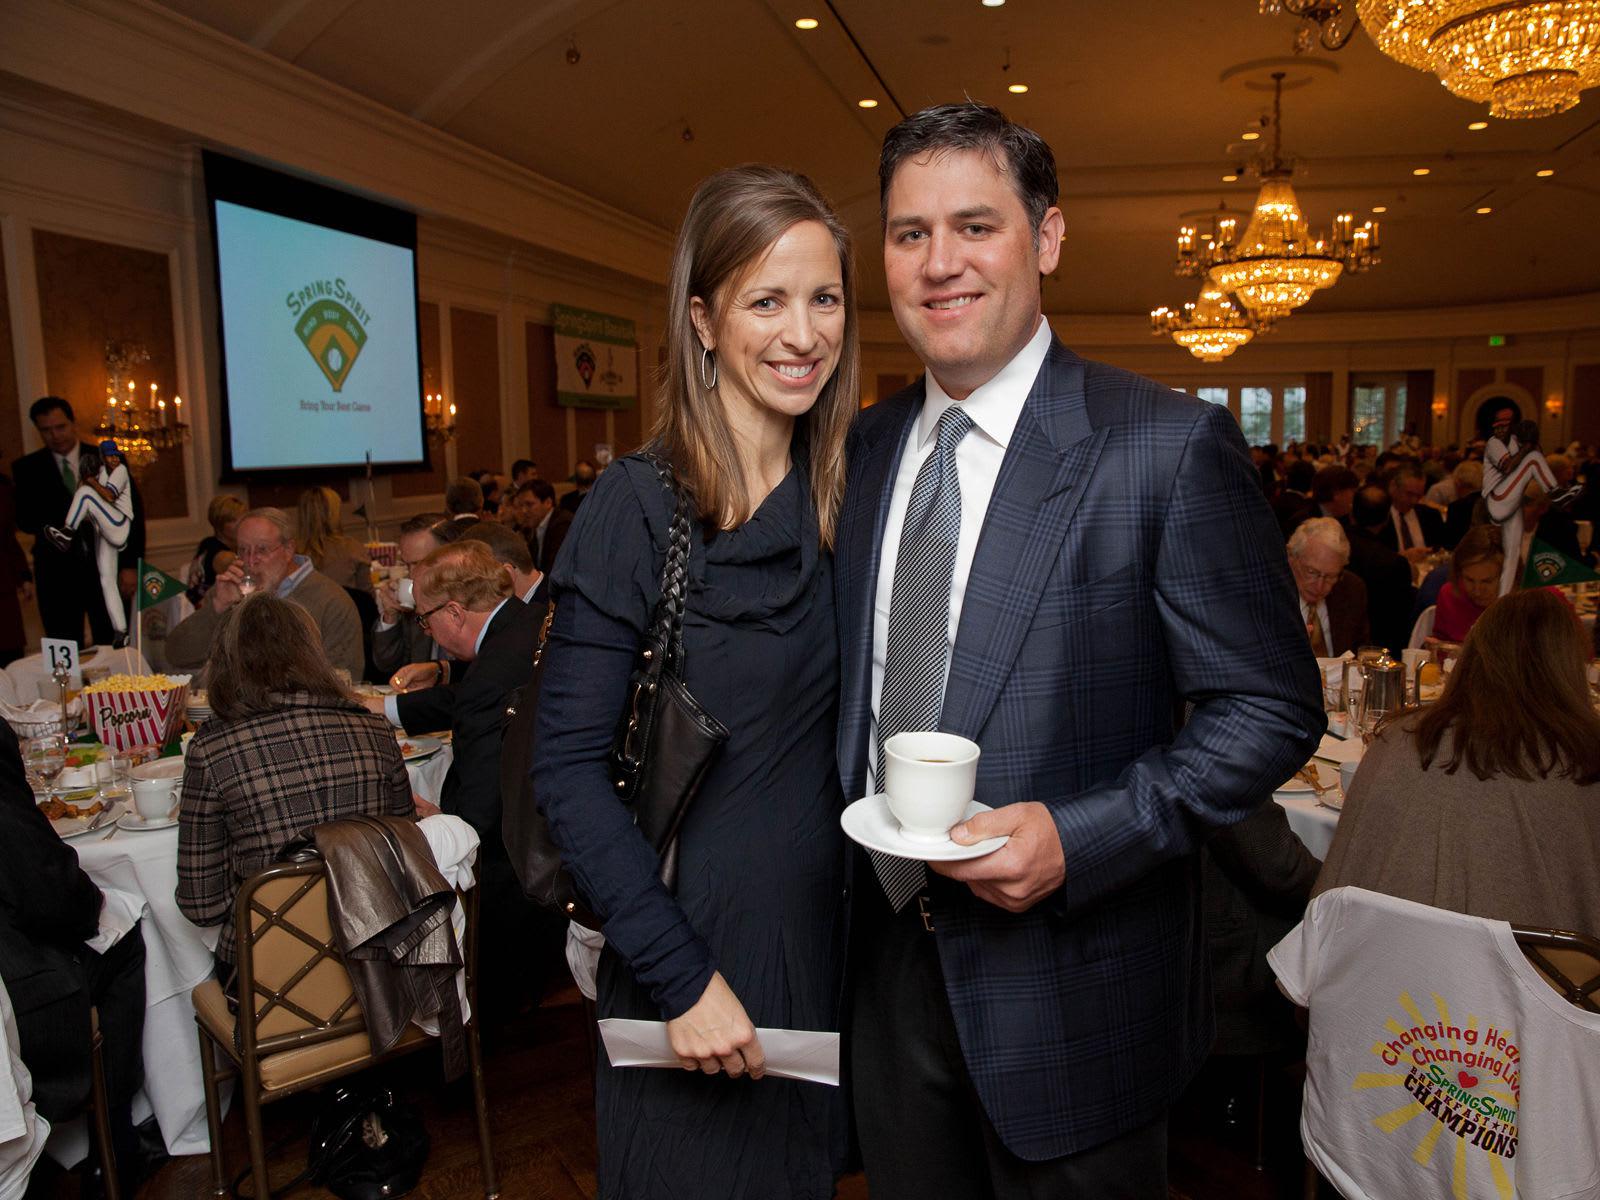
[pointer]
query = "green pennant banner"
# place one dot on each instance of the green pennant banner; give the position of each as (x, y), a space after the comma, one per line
(1548, 567)
(156, 586)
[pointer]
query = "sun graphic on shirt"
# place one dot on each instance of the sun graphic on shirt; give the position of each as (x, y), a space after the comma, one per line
(1463, 1087)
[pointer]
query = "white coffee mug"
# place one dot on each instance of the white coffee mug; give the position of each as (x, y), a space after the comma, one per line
(404, 593)
(153, 798)
(1347, 773)
(929, 778)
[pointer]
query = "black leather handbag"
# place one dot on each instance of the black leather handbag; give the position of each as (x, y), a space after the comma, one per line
(664, 744)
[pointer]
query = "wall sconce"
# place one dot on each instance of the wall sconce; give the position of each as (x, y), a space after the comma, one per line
(1441, 406)
(1554, 404)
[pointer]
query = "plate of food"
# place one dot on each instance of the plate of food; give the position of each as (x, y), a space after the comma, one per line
(71, 819)
(415, 749)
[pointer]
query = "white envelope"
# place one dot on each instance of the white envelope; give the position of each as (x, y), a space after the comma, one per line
(791, 1053)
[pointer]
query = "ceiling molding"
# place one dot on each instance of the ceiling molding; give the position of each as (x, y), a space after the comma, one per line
(296, 24)
(236, 97)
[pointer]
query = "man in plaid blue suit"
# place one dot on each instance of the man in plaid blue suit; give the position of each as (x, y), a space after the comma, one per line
(1020, 1026)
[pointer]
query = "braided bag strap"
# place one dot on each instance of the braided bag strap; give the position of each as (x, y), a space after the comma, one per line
(666, 626)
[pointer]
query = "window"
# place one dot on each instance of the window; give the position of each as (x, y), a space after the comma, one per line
(1294, 414)
(1213, 395)
(1255, 415)
(1377, 408)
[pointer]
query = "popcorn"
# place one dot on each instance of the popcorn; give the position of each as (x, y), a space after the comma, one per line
(133, 683)
(136, 710)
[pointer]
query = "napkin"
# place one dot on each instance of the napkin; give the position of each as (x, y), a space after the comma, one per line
(1340, 750)
(120, 913)
(791, 1053)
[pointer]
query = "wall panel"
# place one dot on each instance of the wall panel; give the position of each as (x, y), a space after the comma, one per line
(430, 482)
(92, 292)
(547, 420)
(475, 371)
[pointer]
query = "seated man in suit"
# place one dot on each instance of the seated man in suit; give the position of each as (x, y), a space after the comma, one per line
(1468, 481)
(1333, 489)
(1390, 593)
(1333, 601)
(538, 518)
(397, 639)
(49, 912)
(465, 600)
(1414, 528)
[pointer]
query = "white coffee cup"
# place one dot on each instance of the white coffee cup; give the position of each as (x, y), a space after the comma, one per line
(153, 798)
(405, 593)
(1347, 772)
(929, 778)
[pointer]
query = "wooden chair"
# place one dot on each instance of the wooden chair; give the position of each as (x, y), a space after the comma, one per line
(100, 1109)
(299, 1024)
(1568, 962)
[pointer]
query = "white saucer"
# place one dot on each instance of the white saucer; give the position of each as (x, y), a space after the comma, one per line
(134, 823)
(1332, 799)
(870, 823)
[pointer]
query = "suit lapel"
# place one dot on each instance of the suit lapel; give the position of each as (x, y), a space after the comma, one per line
(1052, 454)
(860, 552)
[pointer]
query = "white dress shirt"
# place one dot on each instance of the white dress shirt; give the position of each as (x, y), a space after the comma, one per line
(1321, 612)
(994, 408)
(1412, 524)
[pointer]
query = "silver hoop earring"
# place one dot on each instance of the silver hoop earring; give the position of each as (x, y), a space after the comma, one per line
(705, 358)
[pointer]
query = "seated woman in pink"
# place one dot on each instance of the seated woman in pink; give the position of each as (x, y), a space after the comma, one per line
(1474, 584)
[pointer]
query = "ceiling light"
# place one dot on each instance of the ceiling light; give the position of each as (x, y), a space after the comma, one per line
(1250, 135)
(1016, 89)
(1477, 125)
(1484, 211)
(806, 23)
(1210, 327)
(1380, 208)
(1230, 178)
(1545, 173)
(994, 3)
(868, 103)
(1421, 171)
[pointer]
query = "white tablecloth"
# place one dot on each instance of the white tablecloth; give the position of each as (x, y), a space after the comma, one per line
(31, 680)
(178, 958)
(1312, 823)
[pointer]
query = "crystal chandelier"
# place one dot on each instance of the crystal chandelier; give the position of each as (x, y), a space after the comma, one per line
(1278, 264)
(1210, 327)
(141, 423)
(1527, 58)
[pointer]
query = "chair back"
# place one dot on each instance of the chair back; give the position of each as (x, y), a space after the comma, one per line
(1423, 629)
(293, 986)
(1568, 962)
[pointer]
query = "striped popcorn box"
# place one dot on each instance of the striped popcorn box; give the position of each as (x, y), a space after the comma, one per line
(127, 716)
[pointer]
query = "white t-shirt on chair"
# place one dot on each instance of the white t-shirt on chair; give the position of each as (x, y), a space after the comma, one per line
(22, 1131)
(1440, 1063)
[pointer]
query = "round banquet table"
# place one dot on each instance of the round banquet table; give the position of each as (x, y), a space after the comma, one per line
(31, 680)
(178, 958)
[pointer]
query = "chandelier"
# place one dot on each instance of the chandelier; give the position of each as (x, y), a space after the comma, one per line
(1210, 327)
(1278, 264)
(140, 421)
(1527, 58)
(439, 417)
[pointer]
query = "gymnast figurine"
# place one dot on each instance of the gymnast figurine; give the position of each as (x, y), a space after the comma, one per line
(106, 500)
(1511, 461)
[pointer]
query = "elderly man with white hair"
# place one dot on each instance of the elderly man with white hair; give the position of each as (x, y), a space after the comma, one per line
(267, 562)
(1333, 601)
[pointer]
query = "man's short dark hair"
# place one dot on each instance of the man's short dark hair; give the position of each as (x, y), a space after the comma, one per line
(1330, 481)
(463, 496)
(542, 491)
(422, 523)
(1300, 475)
(521, 465)
(1406, 469)
(506, 544)
(1020, 153)
(48, 404)
(448, 530)
(1371, 508)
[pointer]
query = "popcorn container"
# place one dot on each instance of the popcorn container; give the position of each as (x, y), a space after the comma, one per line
(137, 711)
(384, 554)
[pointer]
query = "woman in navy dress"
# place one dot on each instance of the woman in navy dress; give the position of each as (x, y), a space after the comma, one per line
(759, 389)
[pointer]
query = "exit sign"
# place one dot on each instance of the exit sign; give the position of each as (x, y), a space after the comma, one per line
(1497, 339)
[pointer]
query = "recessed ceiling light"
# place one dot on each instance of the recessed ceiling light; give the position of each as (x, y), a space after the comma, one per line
(1230, 178)
(1421, 171)
(1477, 125)
(994, 3)
(1484, 211)
(1016, 89)
(806, 23)
(1250, 135)
(1380, 208)
(1545, 173)
(868, 103)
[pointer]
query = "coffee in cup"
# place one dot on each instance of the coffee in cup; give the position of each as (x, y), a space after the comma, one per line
(929, 780)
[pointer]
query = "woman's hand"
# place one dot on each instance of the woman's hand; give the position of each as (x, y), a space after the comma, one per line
(716, 1035)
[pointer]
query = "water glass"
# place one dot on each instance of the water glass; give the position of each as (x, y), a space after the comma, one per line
(46, 759)
(111, 774)
(247, 584)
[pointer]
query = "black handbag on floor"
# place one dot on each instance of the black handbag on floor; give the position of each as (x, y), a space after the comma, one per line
(366, 1144)
(663, 746)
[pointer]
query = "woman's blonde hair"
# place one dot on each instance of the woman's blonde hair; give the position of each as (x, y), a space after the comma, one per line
(319, 522)
(732, 219)
(222, 509)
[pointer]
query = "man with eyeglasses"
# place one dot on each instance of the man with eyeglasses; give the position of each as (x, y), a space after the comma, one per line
(1333, 602)
(267, 562)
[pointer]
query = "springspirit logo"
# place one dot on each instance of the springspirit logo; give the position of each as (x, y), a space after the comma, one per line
(331, 323)
(1463, 1086)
